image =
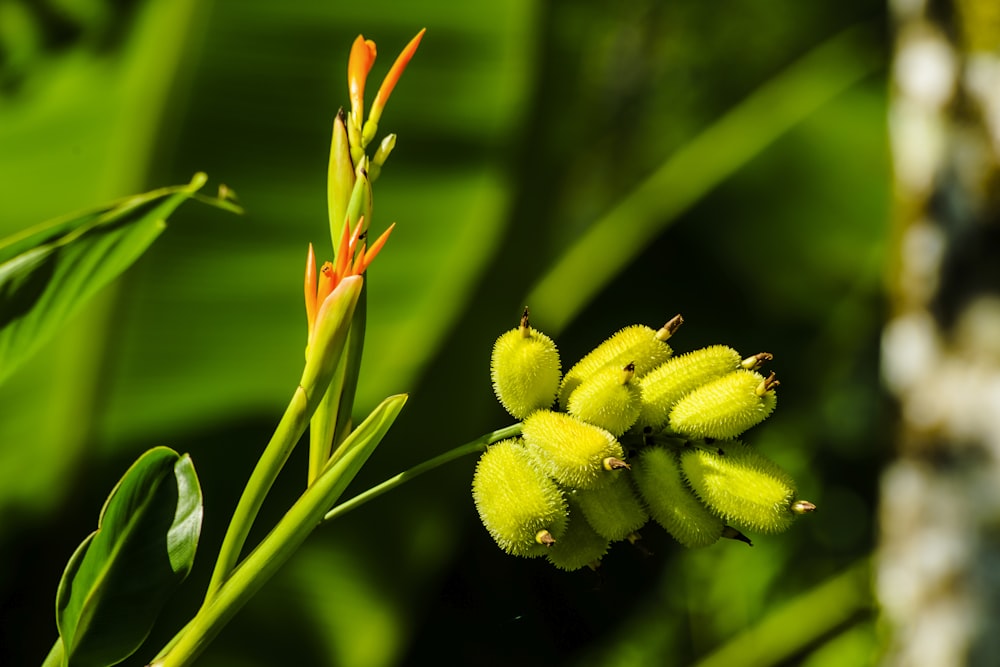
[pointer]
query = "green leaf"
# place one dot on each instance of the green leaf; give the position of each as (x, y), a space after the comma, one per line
(367, 436)
(121, 575)
(48, 272)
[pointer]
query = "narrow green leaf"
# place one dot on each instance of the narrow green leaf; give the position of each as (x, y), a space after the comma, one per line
(120, 576)
(707, 160)
(47, 272)
(366, 437)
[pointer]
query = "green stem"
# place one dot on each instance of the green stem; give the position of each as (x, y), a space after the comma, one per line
(262, 563)
(478, 445)
(331, 423)
(321, 426)
(279, 545)
(290, 429)
(275, 549)
(330, 335)
(352, 370)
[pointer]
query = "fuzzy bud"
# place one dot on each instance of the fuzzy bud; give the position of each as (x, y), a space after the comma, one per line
(669, 382)
(742, 486)
(608, 398)
(638, 344)
(525, 370)
(670, 502)
(726, 406)
(613, 511)
(522, 508)
(580, 546)
(576, 454)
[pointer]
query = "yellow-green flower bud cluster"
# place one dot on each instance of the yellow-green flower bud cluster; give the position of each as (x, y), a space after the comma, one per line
(565, 489)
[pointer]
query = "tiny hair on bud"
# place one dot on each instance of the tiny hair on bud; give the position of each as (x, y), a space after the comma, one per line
(569, 450)
(725, 407)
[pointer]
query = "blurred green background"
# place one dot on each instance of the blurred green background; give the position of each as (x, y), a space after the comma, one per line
(605, 163)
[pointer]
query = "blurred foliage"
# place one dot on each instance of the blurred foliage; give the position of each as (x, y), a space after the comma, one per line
(521, 124)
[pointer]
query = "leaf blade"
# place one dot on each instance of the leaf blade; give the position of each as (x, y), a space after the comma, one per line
(49, 271)
(121, 575)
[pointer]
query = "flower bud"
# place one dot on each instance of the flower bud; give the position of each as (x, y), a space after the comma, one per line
(609, 398)
(742, 486)
(329, 335)
(523, 509)
(340, 176)
(613, 511)
(525, 370)
(580, 546)
(576, 454)
(670, 502)
(726, 406)
(381, 155)
(638, 344)
(669, 382)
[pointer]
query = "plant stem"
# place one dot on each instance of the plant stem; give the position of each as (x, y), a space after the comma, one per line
(262, 563)
(321, 426)
(265, 560)
(290, 429)
(332, 325)
(281, 543)
(478, 445)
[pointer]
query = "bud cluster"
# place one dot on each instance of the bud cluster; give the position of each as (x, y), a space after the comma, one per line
(630, 432)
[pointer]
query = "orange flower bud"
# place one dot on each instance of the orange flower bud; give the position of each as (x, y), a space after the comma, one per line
(358, 65)
(388, 83)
